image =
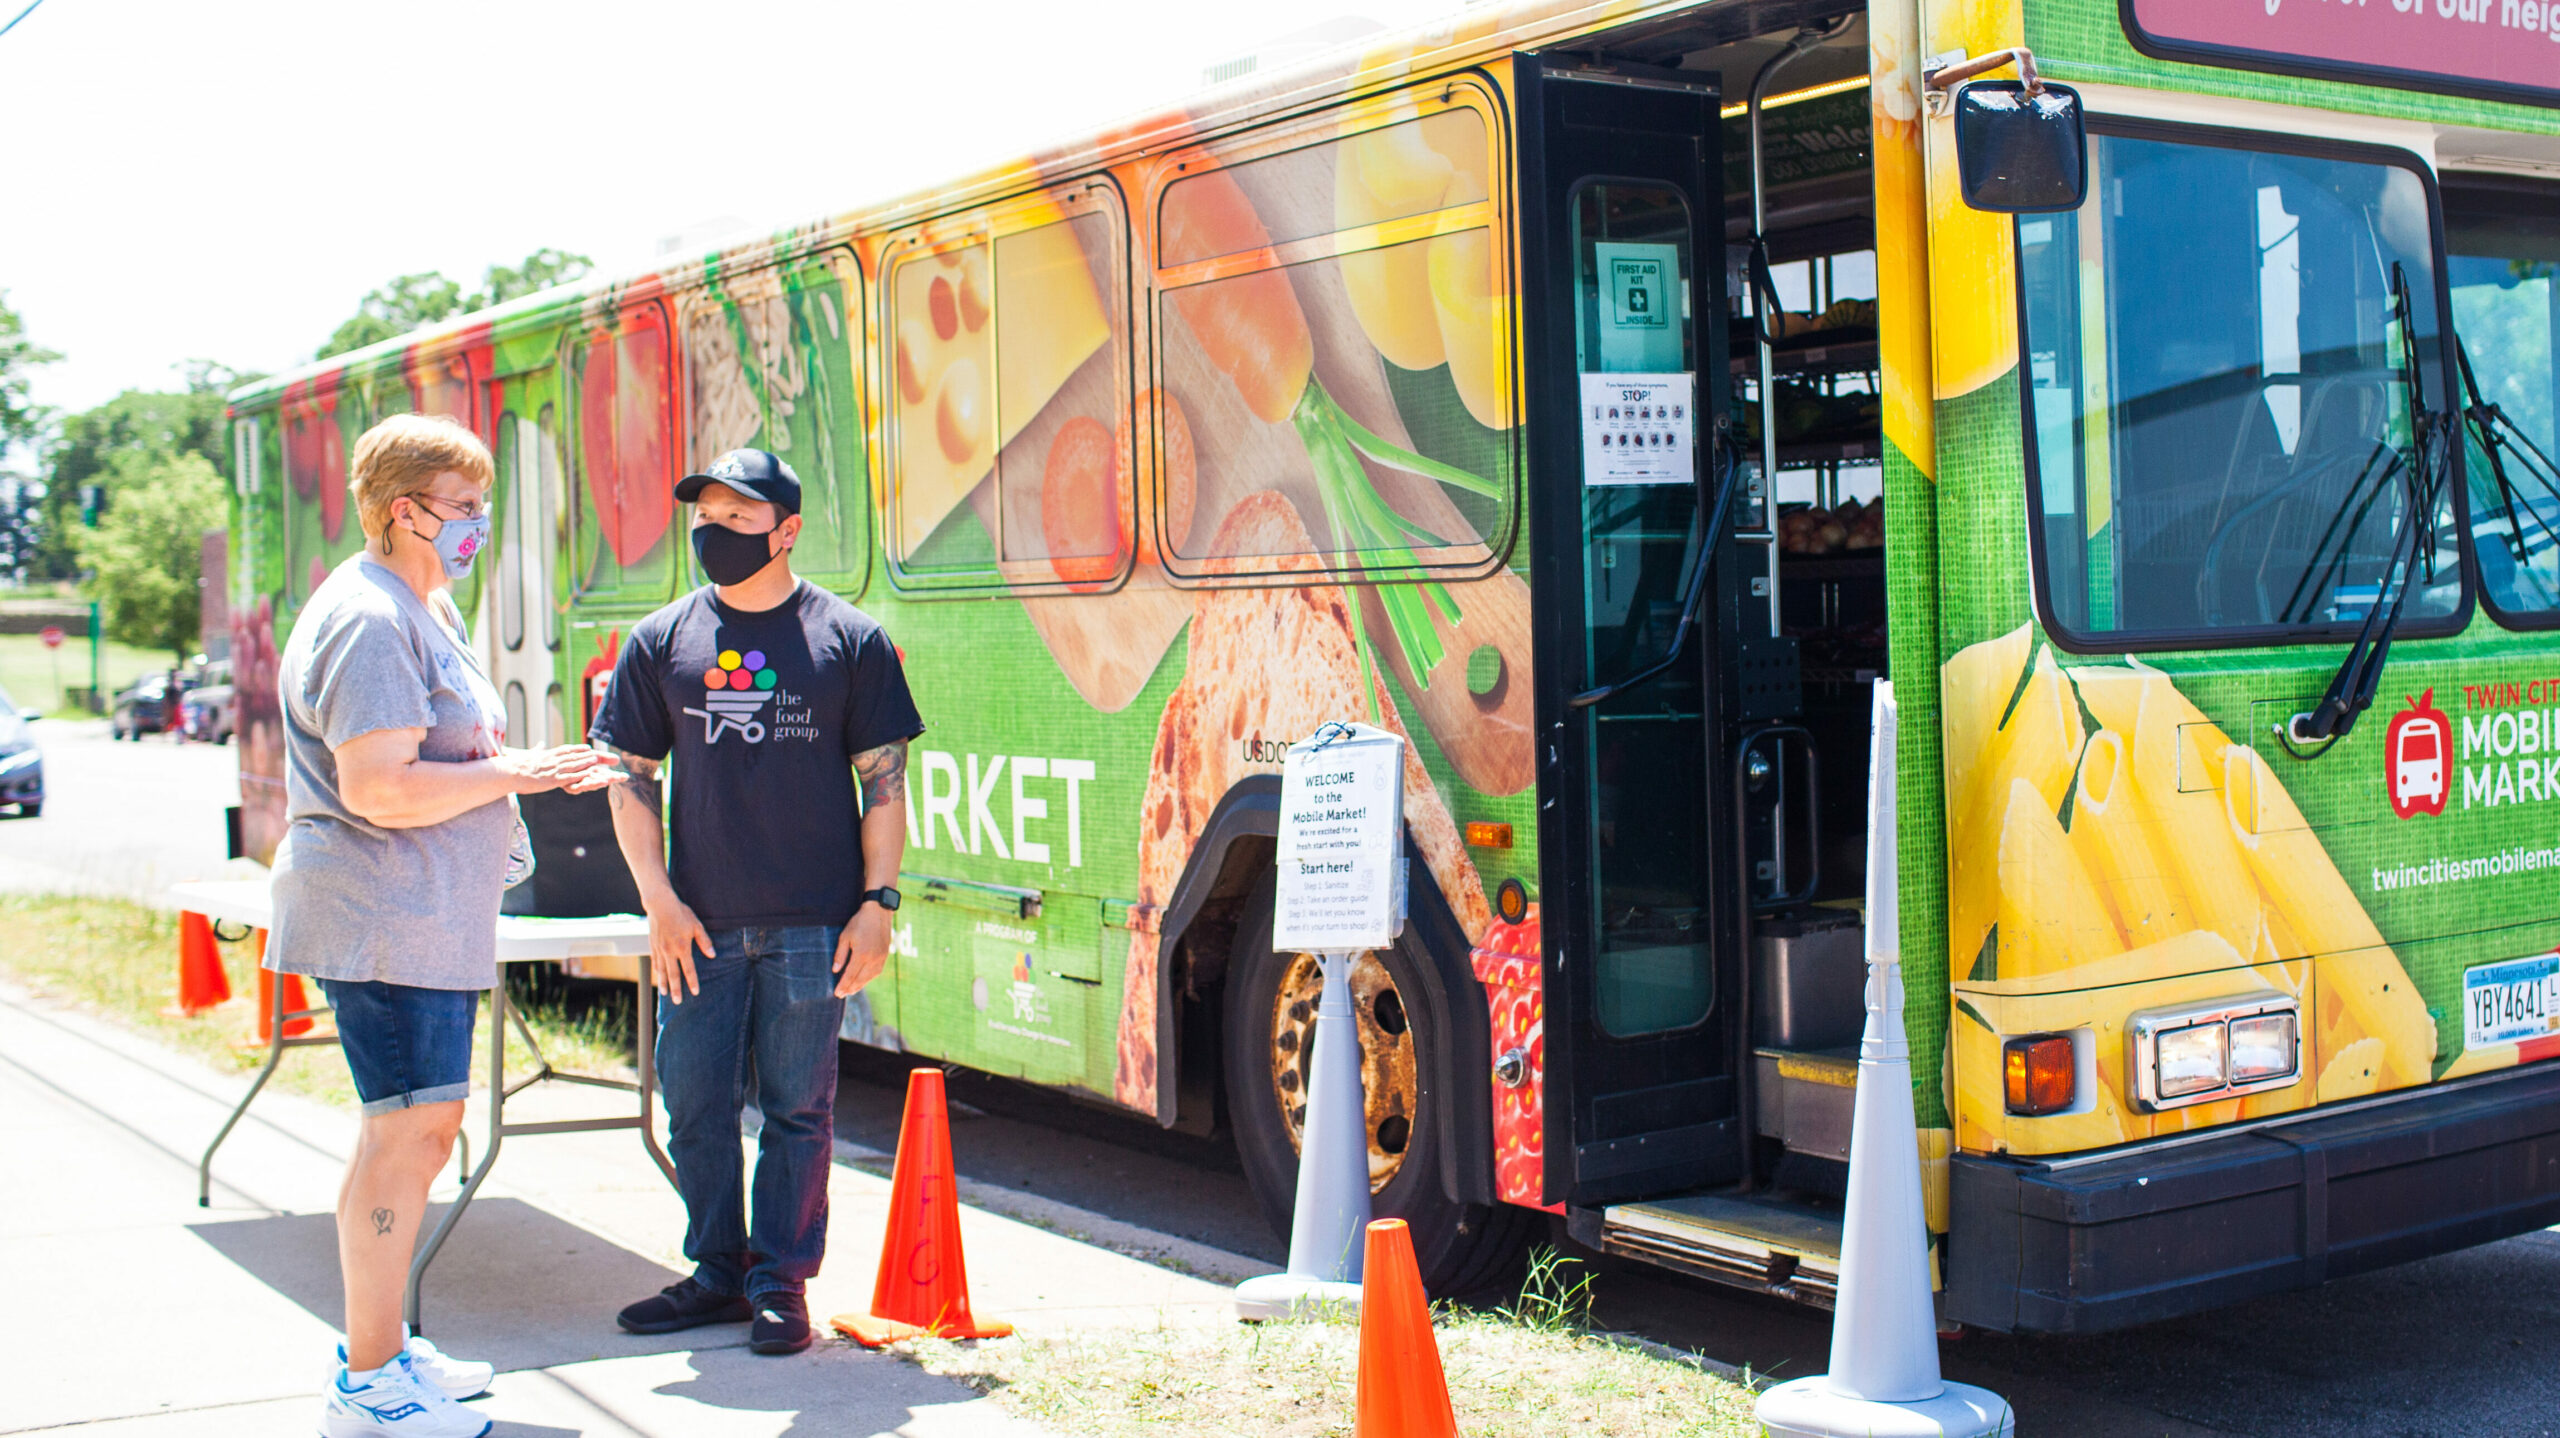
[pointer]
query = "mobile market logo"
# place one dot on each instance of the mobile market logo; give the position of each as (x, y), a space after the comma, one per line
(735, 691)
(2415, 757)
(2510, 744)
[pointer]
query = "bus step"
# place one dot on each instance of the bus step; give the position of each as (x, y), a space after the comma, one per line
(1804, 1099)
(1757, 1242)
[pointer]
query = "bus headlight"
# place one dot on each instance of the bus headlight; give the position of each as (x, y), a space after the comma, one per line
(2217, 1049)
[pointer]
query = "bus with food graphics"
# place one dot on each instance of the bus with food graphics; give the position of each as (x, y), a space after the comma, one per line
(1605, 396)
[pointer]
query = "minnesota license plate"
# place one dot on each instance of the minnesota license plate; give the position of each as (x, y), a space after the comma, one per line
(2505, 1002)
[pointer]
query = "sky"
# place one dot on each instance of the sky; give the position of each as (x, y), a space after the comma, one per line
(226, 179)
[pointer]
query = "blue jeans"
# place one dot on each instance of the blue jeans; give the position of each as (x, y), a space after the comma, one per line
(405, 1046)
(767, 1011)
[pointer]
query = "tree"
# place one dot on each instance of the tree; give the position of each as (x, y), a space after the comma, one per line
(415, 301)
(93, 452)
(146, 555)
(21, 418)
(541, 270)
(405, 304)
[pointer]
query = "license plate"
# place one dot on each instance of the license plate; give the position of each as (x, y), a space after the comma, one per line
(2505, 1002)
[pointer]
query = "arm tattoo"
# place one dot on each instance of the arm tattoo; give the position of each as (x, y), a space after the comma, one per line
(884, 774)
(643, 788)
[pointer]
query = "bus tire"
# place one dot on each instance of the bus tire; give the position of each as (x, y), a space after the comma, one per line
(1463, 1249)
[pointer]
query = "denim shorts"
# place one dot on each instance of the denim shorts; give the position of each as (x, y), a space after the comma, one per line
(405, 1046)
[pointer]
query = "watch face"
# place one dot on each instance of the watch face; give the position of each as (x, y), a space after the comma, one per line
(887, 898)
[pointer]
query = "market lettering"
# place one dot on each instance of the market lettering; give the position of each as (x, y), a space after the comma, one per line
(945, 783)
(2511, 754)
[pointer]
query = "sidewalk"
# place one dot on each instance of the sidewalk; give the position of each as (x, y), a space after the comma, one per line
(171, 1319)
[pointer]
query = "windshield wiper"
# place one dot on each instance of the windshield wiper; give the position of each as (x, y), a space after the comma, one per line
(1708, 544)
(2500, 437)
(2430, 451)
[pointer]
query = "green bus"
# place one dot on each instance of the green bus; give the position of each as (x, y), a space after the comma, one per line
(1604, 397)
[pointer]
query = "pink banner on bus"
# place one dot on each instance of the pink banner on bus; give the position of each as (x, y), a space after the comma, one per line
(2507, 49)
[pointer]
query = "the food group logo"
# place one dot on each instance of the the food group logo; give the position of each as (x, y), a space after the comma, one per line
(2417, 758)
(735, 691)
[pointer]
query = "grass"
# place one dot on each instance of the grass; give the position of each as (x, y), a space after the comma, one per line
(1529, 1367)
(27, 669)
(119, 960)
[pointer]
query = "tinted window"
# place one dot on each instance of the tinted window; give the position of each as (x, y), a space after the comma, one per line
(2217, 407)
(2503, 249)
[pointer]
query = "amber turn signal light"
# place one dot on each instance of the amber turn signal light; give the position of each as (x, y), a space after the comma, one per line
(1488, 836)
(2041, 1075)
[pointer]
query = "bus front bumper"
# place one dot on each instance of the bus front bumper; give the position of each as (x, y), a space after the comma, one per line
(2134, 1236)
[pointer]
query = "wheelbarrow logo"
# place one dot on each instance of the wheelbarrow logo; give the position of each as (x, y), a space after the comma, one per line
(734, 692)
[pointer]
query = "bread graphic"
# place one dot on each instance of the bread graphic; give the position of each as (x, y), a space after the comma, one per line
(1266, 665)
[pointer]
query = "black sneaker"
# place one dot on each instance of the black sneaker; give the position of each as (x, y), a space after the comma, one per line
(782, 1323)
(681, 1306)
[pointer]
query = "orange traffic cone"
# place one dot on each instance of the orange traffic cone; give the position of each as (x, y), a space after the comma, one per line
(201, 981)
(924, 1283)
(295, 1000)
(1402, 1393)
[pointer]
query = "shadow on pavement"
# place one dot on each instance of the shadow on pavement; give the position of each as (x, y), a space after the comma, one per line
(514, 1286)
(1036, 1141)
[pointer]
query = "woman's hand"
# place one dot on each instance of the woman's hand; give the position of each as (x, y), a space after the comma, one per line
(572, 767)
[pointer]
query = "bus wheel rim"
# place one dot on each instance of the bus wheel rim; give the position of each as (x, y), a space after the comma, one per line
(1389, 1087)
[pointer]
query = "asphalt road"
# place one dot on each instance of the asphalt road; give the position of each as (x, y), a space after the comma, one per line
(2452, 1346)
(123, 818)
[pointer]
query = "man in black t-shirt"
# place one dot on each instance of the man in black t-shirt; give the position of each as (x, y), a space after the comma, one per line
(774, 697)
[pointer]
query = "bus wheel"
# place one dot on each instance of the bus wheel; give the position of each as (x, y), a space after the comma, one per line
(1270, 1022)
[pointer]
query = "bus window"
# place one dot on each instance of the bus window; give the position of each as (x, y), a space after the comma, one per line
(620, 529)
(2217, 417)
(770, 357)
(1412, 168)
(1062, 491)
(1359, 279)
(319, 525)
(2503, 238)
(1007, 365)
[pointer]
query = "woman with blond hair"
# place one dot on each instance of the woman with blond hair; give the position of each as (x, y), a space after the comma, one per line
(401, 832)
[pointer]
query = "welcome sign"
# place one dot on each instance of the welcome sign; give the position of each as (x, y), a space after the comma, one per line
(2491, 49)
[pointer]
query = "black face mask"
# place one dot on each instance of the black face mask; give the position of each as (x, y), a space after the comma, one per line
(728, 557)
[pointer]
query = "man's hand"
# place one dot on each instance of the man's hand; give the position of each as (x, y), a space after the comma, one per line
(574, 767)
(674, 933)
(862, 950)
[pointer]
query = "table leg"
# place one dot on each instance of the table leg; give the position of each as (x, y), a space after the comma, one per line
(409, 1310)
(645, 1030)
(275, 1056)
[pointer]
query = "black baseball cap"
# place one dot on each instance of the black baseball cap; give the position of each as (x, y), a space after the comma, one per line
(751, 472)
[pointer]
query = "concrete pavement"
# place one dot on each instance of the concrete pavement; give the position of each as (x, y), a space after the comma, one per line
(173, 1319)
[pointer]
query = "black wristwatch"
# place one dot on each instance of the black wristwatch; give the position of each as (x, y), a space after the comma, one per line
(885, 898)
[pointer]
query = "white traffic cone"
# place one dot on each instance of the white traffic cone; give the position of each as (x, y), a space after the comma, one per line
(1329, 1223)
(1884, 1379)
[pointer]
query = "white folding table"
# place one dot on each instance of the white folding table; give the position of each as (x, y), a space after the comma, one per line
(247, 903)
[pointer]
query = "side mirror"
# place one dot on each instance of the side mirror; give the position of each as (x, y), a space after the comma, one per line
(2022, 146)
(2021, 151)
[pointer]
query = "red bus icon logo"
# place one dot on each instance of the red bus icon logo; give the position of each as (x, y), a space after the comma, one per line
(2417, 758)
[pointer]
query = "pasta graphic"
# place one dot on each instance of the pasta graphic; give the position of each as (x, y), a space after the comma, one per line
(2134, 858)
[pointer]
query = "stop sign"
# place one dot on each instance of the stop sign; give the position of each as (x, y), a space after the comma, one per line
(52, 636)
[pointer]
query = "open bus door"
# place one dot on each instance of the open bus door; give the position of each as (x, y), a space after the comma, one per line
(1622, 245)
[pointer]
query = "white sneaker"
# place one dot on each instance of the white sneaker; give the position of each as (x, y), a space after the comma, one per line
(460, 1378)
(396, 1401)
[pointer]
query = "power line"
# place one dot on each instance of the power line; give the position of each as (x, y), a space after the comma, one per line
(21, 15)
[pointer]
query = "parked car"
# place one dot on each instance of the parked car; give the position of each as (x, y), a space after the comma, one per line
(21, 761)
(207, 710)
(143, 709)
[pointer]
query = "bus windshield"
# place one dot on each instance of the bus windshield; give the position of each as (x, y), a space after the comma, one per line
(2219, 420)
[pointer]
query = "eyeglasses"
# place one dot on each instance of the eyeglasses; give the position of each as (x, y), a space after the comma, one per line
(470, 508)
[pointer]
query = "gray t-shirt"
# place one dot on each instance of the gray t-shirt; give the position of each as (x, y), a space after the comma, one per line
(358, 903)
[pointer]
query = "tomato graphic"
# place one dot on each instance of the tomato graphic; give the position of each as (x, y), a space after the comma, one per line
(626, 422)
